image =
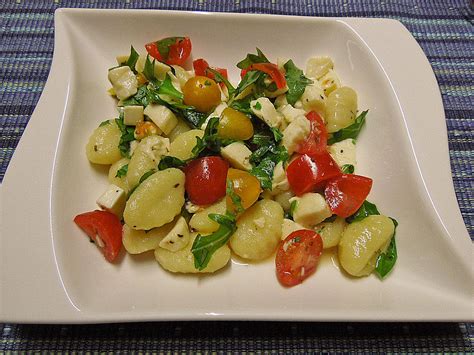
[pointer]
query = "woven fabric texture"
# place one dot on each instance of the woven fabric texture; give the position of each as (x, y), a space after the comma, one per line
(444, 29)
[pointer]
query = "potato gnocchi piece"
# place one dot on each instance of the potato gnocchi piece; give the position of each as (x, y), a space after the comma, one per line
(317, 67)
(180, 128)
(183, 144)
(156, 201)
(362, 242)
(114, 179)
(331, 232)
(258, 231)
(140, 241)
(202, 223)
(102, 147)
(284, 199)
(182, 261)
(341, 109)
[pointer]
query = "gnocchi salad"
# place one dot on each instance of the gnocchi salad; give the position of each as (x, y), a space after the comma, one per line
(201, 169)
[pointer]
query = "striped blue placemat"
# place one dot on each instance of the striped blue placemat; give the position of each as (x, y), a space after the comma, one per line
(445, 31)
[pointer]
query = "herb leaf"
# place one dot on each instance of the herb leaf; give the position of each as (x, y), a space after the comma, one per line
(164, 45)
(219, 78)
(264, 172)
(251, 59)
(167, 162)
(367, 209)
(296, 82)
(122, 171)
(347, 169)
(167, 88)
(210, 141)
(149, 69)
(386, 261)
(195, 118)
(126, 137)
(277, 134)
(132, 59)
(146, 175)
(104, 123)
(349, 132)
(236, 200)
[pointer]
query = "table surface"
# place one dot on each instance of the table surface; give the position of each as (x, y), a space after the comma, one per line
(444, 29)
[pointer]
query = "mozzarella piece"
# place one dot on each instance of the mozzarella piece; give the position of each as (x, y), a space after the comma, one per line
(296, 132)
(154, 147)
(317, 67)
(191, 207)
(290, 113)
(330, 82)
(288, 226)
(343, 152)
(264, 109)
(162, 116)
(123, 81)
(313, 98)
(311, 209)
(132, 115)
(113, 200)
(216, 113)
(238, 155)
(279, 181)
(178, 237)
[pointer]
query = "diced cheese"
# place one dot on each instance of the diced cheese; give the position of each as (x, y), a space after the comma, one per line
(177, 238)
(216, 113)
(121, 59)
(155, 147)
(296, 132)
(191, 207)
(290, 113)
(132, 115)
(162, 116)
(123, 81)
(330, 82)
(238, 155)
(343, 152)
(311, 209)
(289, 227)
(281, 101)
(264, 109)
(279, 181)
(317, 67)
(113, 200)
(313, 98)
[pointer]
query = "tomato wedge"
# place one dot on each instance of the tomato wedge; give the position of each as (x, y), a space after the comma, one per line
(306, 174)
(105, 229)
(206, 180)
(201, 67)
(317, 140)
(298, 257)
(345, 194)
(272, 70)
(171, 50)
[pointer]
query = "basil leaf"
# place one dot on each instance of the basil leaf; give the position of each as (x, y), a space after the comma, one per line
(251, 59)
(167, 88)
(236, 200)
(219, 78)
(122, 171)
(204, 246)
(264, 172)
(167, 162)
(164, 45)
(386, 261)
(293, 206)
(367, 209)
(126, 137)
(296, 82)
(349, 132)
(132, 59)
(149, 69)
(104, 123)
(347, 169)
(277, 134)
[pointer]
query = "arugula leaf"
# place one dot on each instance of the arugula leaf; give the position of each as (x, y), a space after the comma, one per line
(167, 162)
(277, 134)
(167, 88)
(242, 105)
(219, 78)
(250, 78)
(122, 171)
(348, 169)
(210, 140)
(251, 59)
(132, 59)
(126, 137)
(149, 70)
(204, 246)
(296, 82)
(386, 261)
(104, 123)
(349, 132)
(367, 209)
(264, 172)
(236, 200)
(195, 118)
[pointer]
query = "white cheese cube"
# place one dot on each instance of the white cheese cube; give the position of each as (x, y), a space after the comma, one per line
(279, 181)
(113, 200)
(343, 152)
(177, 238)
(238, 155)
(330, 82)
(281, 101)
(295, 133)
(216, 113)
(290, 113)
(122, 59)
(162, 116)
(313, 98)
(311, 209)
(123, 81)
(289, 227)
(317, 67)
(154, 147)
(264, 109)
(132, 115)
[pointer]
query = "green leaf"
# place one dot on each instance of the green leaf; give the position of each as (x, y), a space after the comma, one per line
(242, 105)
(386, 261)
(293, 206)
(149, 69)
(348, 169)
(146, 175)
(264, 172)
(367, 209)
(349, 132)
(104, 123)
(122, 171)
(126, 137)
(164, 45)
(236, 200)
(296, 82)
(251, 59)
(210, 140)
(257, 106)
(205, 246)
(167, 162)
(277, 134)
(132, 59)
(250, 78)
(167, 88)
(219, 78)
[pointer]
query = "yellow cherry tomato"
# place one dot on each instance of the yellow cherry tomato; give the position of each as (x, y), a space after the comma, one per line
(234, 125)
(202, 93)
(245, 185)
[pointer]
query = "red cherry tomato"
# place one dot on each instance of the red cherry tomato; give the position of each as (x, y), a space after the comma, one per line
(200, 69)
(272, 70)
(306, 174)
(206, 180)
(345, 194)
(316, 142)
(298, 257)
(105, 229)
(171, 50)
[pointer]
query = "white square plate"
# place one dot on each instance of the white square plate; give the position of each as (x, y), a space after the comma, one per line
(50, 272)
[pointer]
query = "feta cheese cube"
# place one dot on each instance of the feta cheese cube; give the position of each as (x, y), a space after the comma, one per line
(290, 113)
(343, 152)
(264, 109)
(162, 116)
(238, 155)
(296, 132)
(313, 98)
(154, 147)
(311, 209)
(279, 181)
(177, 238)
(132, 115)
(317, 67)
(113, 200)
(123, 81)
(289, 227)
(330, 82)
